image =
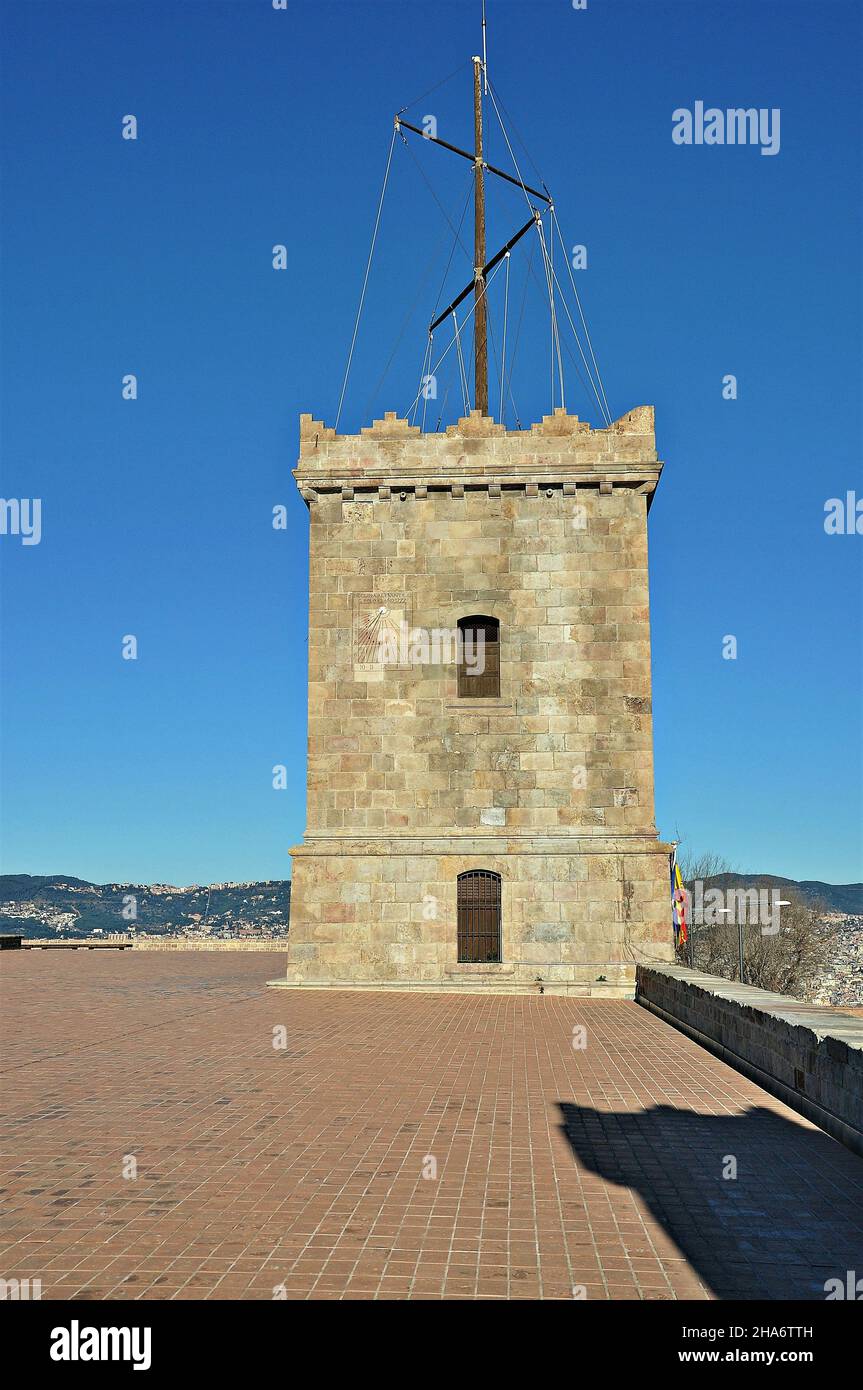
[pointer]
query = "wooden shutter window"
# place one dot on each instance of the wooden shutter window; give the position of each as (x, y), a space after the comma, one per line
(472, 685)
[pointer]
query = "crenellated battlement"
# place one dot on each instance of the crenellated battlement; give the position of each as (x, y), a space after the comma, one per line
(560, 451)
(314, 434)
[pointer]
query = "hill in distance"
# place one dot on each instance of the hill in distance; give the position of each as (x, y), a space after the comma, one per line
(846, 898)
(59, 905)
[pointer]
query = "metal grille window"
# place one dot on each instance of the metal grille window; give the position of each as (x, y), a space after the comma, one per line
(478, 657)
(479, 916)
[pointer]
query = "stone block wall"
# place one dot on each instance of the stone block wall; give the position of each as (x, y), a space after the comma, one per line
(575, 918)
(567, 745)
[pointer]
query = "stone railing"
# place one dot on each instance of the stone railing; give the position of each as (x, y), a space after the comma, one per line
(808, 1055)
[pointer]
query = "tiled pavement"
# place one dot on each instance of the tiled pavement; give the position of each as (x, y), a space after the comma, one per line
(300, 1171)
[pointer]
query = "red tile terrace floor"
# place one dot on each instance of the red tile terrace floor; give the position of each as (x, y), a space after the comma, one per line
(299, 1172)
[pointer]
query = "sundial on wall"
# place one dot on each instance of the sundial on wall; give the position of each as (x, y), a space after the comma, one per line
(379, 621)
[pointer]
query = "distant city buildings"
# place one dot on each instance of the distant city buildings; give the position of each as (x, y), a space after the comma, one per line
(219, 911)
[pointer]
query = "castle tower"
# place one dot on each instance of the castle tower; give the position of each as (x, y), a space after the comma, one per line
(480, 812)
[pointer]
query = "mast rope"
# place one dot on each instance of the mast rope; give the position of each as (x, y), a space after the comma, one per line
(366, 278)
(517, 135)
(452, 342)
(431, 190)
(567, 349)
(420, 288)
(423, 95)
(581, 312)
(425, 393)
(551, 268)
(457, 241)
(555, 337)
(498, 365)
(509, 147)
(600, 395)
(606, 414)
(460, 362)
(443, 407)
(532, 275)
(520, 322)
(503, 344)
(422, 378)
(555, 341)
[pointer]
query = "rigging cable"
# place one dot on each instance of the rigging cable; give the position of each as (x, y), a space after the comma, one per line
(431, 190)
(460, 362)
(442, 409)
(517, 135)
(567, 349)
(555, 342)
(456, 242)
(383, 376)
(503, 344)
(420, 391)
(498, 364)
(581, 312)
(602, 401)
(518, 330)
(509, 147)
(366, 279)
(425, 392)
(423, 95)
(550, 283)
(551, 267)
(452, 343)
(426, 382)
(606, 414)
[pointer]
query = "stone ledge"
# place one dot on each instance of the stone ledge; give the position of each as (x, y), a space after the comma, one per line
(482, 985)
(480, 705)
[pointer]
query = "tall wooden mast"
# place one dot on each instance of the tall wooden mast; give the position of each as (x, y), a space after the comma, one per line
(482, 268)
(480, 335)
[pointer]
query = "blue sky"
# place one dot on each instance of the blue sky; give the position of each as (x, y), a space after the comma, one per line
(154, 257)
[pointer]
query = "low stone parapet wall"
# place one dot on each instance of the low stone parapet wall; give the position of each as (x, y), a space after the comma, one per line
(155, 943)
(809, 1055)
(174, 943)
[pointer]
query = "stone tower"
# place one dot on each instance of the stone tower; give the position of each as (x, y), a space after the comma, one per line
(499, 835)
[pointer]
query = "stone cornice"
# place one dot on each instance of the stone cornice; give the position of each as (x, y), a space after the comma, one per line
(601, 841)
(391, 456)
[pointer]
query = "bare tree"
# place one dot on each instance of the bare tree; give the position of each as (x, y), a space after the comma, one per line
(793, 960)
(796, 959)
(701, 866)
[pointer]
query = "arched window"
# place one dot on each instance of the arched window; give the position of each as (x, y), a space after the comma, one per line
(478, 657)
(479, 916)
